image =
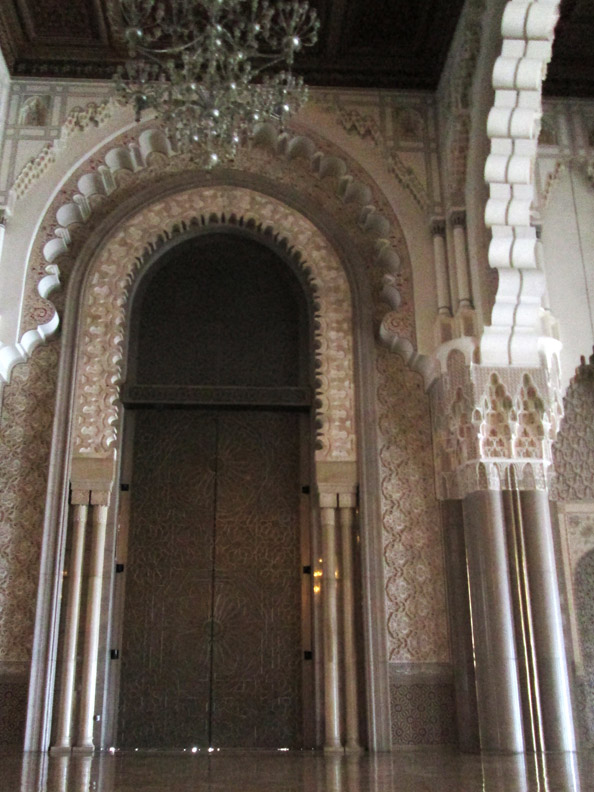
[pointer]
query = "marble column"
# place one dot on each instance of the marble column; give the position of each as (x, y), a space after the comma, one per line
(460, 626)
(458, 220)
(347, 504)
(99, 507)
(496, 663)
(79, 505)
(441, 267)
(548, 642)
(328, 509)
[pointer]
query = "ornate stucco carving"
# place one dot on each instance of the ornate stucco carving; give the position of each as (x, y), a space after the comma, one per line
(573, 451)
(366, 127)
(25, 438)
(413, 552)
(77, 121)
(112, 273)
(309, 165)
(489, 422)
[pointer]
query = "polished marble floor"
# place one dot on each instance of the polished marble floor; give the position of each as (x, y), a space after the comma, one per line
(411, 771)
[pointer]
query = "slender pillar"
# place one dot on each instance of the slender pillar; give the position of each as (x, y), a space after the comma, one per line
(460, 626)
(547, 628)
(347, 505)
(328, 504)
(496, 664)
(462, 277)
(444, 306)
(89, 670)
(80, 510)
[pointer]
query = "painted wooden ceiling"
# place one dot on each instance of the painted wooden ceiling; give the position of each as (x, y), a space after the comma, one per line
(363, 43)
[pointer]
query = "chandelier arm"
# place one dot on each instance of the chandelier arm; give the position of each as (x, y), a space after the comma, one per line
(204, 72)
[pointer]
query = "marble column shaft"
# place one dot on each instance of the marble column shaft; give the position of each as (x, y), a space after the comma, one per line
(89, 670)
(65, 704)
(462, 276)
(460, 626)
(328, 504)
(547, 637)
(441, 269)
(496, 663)
(347, 505)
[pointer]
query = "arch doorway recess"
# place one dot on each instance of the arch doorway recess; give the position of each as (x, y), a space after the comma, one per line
(316, 401)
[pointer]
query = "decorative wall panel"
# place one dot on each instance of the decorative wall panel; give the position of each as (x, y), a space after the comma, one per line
(584, 595)
(13, 707)
(25, 437)
(165, 663)
(413, 552)
(423, 707)
(212, 626)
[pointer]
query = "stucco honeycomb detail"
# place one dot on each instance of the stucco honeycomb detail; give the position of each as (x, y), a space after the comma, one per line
(573, 451)
(493, 428)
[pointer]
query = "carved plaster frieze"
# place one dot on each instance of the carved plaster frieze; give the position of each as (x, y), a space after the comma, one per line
(113, 270)
(79, 119)
(493, 427)
(366, 127)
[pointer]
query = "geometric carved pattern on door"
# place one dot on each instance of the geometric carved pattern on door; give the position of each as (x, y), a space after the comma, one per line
(212, 625)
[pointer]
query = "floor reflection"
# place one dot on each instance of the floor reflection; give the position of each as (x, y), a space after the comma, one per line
(242, 771)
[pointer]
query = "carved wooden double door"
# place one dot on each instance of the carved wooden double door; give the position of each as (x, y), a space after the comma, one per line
(211, 652)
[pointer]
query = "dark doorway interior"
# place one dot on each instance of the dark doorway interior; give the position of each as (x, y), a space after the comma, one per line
(214, 613)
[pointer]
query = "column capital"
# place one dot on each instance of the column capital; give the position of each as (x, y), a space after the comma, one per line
(92, 473)
(493, 427)
(347, 500)
(437, 226)
(457, 218)
(80, 497)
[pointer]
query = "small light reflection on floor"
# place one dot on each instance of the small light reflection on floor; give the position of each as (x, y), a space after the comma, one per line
(295, 771)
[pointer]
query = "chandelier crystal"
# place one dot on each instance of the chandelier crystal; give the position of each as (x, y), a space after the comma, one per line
(213, 70)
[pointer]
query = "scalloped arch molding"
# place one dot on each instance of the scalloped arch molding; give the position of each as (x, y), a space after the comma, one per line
(114, 267)
(136, 161)
(527, 28)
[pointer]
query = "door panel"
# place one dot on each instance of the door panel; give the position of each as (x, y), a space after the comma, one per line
(256, 684)
(165, 659)
(212, 644)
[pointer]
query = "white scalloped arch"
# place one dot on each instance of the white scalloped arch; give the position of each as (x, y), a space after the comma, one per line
(137, 161)
(513, 126)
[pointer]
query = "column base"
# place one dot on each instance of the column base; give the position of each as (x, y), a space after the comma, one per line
(60, 750)
(333, 749)
(353, 748)
(84, 750)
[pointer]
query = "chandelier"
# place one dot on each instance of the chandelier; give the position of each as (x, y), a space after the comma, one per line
(213, 70)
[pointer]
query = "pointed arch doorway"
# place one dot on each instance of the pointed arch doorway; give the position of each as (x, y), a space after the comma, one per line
(215, 614)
